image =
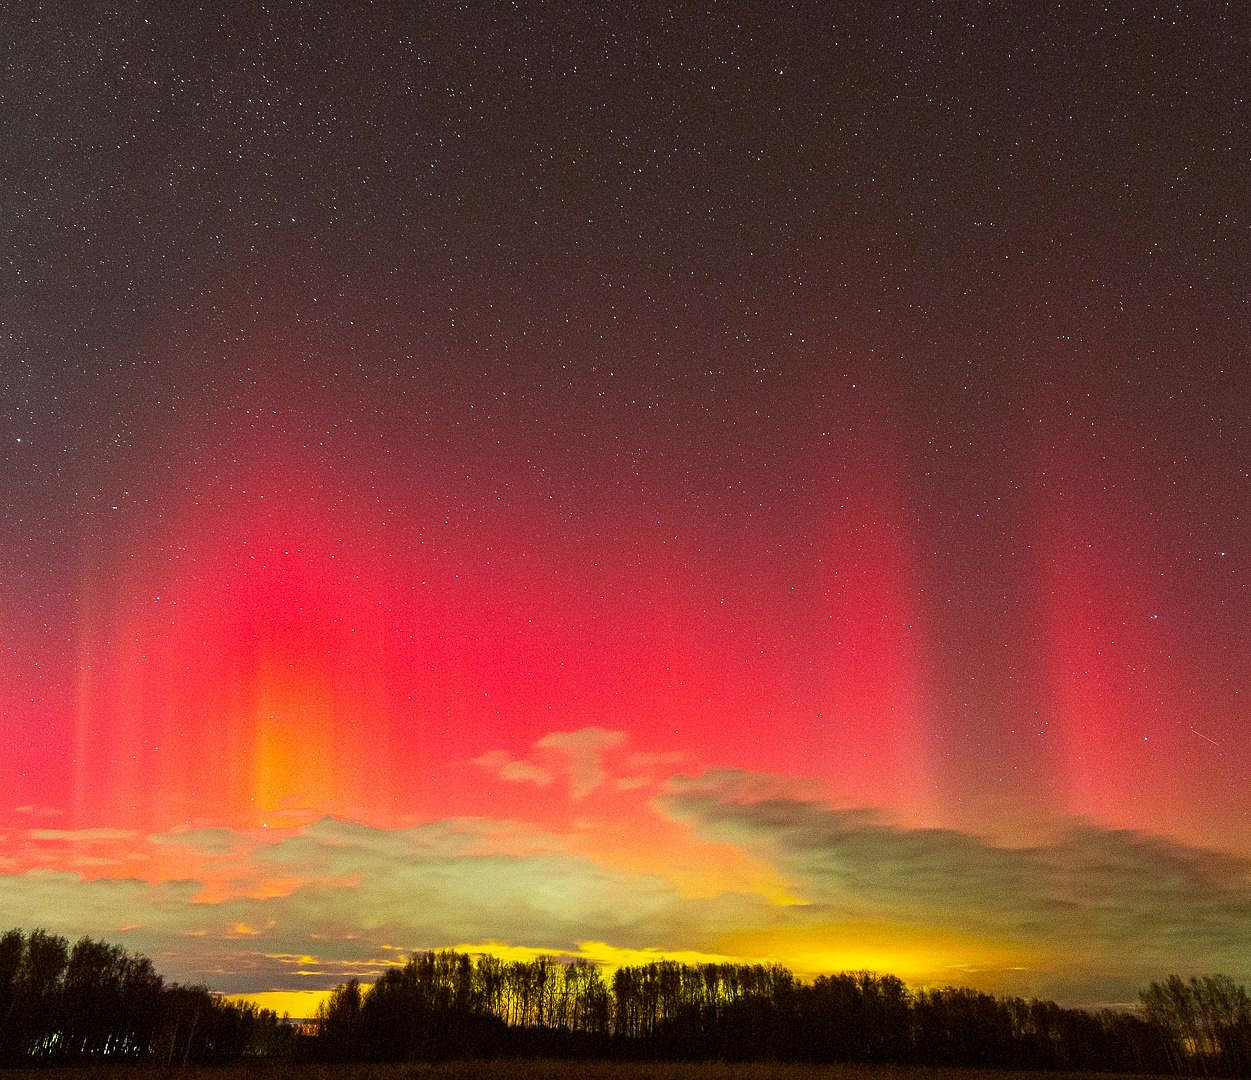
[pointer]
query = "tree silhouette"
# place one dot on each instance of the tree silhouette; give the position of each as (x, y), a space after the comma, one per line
(97, 1002)
(1203, 1023)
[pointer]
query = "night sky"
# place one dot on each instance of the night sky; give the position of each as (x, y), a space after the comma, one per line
(756, 481)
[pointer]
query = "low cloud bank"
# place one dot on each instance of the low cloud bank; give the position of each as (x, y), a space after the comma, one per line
(1090, 916)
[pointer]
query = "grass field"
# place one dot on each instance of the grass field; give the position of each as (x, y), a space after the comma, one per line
(548, 1070)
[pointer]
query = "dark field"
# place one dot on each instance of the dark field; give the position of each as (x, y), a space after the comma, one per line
(555, 1070)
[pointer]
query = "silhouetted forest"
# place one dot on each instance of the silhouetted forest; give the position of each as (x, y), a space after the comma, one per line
(92, 1001)
(95, 1001)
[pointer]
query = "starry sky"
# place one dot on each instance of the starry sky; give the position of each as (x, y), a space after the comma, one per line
(767, 482)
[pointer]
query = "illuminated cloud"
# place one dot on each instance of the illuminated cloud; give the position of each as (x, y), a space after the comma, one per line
(1094, 911)
(506, 767)
(584, 750)
(83, 834)
(578, 756)
(1092, 915)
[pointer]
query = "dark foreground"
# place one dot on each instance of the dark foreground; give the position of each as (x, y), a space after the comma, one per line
(549, 1070)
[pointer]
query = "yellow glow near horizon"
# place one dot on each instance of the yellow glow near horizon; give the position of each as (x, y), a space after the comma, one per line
(298, 1004)
(503, 951)
(603, 955)
(611, 957)
(916, 955)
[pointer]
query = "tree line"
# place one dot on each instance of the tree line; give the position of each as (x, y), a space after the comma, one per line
(90, 1001)
(93, 1001)
(450, 1004)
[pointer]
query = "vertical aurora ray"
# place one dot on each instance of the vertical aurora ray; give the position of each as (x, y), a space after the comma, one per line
(227, 667)
(276, 648)
(875, 640)
(1116, 675)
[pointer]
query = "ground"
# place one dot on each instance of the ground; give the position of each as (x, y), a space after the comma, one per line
(548, 1070)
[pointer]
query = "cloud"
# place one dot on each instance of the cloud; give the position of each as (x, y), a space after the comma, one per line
(63, 902)
(423, 887)
(1099, 911)
(584, 751)
(1090, 916)
(649, 769)
(205, 841)
(365, 897)
(81, 835)
(577, 756)
(740, 786)
(502, 764)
